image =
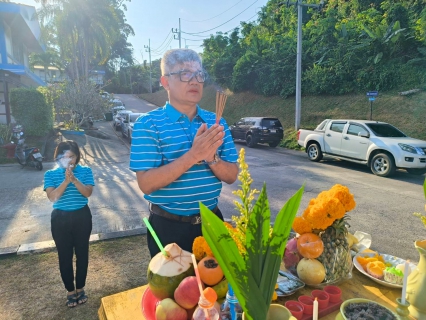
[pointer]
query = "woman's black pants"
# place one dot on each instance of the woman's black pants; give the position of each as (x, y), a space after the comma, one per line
(71, 232)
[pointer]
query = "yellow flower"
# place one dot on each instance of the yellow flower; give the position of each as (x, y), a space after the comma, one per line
(423, 218)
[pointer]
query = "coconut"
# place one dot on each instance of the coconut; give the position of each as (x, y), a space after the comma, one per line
(166, 272)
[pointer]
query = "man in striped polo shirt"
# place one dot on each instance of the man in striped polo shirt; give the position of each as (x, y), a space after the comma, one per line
(180, 155)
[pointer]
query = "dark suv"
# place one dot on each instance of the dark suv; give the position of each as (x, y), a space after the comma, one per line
(258, 130)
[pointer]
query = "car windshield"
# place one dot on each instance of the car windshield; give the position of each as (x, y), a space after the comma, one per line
(271, 123)
(385, 130)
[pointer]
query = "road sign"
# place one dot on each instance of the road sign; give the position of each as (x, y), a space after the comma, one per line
(372, 93)
(371, 98)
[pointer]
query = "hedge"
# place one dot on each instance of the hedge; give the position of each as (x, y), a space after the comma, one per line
(30, 109)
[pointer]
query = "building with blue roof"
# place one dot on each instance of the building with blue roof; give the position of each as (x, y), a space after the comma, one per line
(19, 36)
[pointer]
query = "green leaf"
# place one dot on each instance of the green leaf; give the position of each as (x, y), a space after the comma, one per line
(264, 255)
(233, 265)
(369, 32)
(424, 188)
(378, 57)
(257, 242)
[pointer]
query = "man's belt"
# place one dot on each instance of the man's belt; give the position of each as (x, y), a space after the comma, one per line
(193, 219)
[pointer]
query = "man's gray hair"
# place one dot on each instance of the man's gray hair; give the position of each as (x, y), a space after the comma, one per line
(178, 57)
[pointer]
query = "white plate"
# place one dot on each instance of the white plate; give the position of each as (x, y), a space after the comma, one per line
(388, 258)
(37, 155)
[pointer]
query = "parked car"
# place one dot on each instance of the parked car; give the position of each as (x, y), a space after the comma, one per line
(128, 123)
(255, 130)
(104, 94)
(379, 145)
(118, 118)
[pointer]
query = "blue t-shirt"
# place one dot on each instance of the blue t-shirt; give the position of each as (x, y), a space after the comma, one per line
(163, 135)
(71, 199)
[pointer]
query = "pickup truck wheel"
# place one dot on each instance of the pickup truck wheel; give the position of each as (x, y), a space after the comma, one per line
(417, 172)
(382, 165)
(274, 144)
(250, 141)
(314, 152)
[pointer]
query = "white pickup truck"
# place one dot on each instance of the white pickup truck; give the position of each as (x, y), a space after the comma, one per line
(378, 145)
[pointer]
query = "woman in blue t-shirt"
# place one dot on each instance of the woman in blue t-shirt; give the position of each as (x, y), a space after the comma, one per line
(69, 186)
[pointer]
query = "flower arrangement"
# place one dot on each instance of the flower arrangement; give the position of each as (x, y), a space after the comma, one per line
(322, 239)
(324, 210)
(250, 254)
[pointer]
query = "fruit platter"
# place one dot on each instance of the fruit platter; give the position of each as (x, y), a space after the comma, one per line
(385, 269)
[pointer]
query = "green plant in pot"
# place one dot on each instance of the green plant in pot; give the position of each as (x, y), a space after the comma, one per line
(253, 274)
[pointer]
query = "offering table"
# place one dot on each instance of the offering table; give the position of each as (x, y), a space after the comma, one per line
(126, 305)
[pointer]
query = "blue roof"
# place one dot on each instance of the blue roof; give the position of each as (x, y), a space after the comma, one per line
(23, 20)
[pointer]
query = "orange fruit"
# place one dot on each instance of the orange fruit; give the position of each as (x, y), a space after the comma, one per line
(310, 245)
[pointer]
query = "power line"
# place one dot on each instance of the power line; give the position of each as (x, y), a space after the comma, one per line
(215, 16)
(165, 46)
(163, 41)
(208, 37)
(195, 33)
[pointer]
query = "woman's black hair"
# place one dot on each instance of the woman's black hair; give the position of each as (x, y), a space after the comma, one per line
(65, 146)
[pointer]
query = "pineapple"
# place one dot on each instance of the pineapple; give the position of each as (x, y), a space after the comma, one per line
(336, 256)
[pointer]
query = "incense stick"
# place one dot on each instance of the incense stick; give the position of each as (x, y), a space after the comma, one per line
(220, 104)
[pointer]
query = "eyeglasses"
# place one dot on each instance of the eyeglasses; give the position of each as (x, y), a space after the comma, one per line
(186, 76)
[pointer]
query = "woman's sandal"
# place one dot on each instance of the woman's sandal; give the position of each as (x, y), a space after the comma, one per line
(72, 300)
(81, 297)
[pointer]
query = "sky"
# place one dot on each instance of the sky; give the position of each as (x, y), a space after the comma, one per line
(153, 22)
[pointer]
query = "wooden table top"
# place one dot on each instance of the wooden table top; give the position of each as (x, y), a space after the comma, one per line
(126, 305)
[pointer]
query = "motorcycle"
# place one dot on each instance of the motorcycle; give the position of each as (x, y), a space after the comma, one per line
(25, 156)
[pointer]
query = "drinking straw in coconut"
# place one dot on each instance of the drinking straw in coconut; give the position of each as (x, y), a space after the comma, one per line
(315, 314)
(404, 282)
(154, 235)
(220, 104)
(200, 286)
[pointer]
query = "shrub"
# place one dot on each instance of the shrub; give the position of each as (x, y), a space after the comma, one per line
(5, 134)
(29, 108)
(290, 140)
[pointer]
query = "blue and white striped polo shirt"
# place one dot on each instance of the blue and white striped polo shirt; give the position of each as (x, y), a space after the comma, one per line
(71, 199)
(162, 136)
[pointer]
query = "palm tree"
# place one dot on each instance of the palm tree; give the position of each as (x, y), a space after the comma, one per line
(47, 59)
(86, 31)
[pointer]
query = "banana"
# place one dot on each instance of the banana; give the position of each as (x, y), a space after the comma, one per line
(351, 239)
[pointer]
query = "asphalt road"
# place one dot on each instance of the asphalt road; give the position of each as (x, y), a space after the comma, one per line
(384, 205)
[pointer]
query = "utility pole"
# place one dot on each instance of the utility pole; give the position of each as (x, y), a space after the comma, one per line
(300, 6)
(148, 49)
(178, 36)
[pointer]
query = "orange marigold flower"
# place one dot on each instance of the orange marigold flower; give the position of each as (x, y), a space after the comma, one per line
(335, 208)
(198, 248)
(301, 226)
(228, 226)
(323, 213)
(207, 249)
(342, 193)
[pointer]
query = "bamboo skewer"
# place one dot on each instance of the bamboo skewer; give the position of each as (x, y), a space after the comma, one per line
(220, 104)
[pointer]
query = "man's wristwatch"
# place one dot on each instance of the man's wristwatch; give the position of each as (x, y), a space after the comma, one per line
(215, 160)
